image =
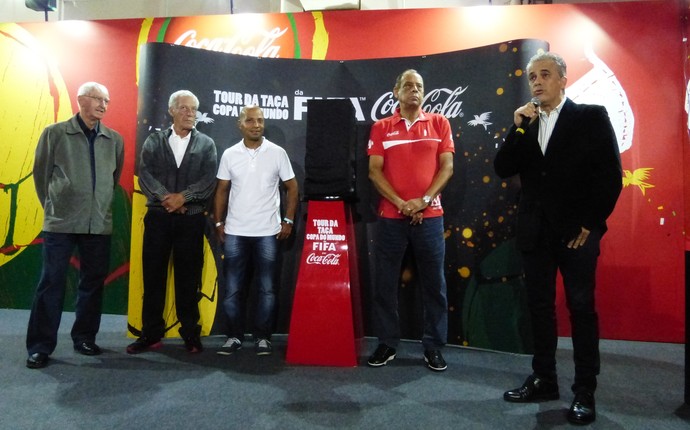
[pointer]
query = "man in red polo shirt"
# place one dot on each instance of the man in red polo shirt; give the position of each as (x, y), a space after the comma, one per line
(410, 161)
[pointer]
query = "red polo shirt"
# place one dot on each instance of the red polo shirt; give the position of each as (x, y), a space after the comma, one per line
(410, 157)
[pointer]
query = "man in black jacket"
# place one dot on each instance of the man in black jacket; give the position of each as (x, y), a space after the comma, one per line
(570, 173)
(177, 173)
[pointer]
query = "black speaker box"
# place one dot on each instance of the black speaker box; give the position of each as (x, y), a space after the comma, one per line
(329, 161)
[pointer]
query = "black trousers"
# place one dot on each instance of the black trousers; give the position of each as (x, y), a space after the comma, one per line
(182, 238)
(578, 269)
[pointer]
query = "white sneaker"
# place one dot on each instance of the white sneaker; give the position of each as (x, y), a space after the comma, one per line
(231, 345)
(263, 347)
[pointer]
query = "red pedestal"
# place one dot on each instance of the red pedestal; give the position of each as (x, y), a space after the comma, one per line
(325, 326)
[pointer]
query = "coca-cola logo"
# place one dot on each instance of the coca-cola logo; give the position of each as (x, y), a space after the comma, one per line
(260, 44)
(439, 100)
(324, 259)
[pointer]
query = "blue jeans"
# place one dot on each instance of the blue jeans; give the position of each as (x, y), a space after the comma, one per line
(262, 253)
(426, 239)
(46, 311)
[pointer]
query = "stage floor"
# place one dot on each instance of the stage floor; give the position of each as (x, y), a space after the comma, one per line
(641, 387)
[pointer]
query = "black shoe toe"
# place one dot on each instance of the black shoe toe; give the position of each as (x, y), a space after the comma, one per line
(87, 348)
(534, 389)
(434, 360)
(381, 356)
(582, 411)
(37, 360)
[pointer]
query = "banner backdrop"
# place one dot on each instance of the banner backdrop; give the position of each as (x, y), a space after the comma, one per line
(609, 48)
(469, 87)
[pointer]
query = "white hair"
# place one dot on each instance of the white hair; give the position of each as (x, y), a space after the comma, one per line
(88, 87)
(182, 93)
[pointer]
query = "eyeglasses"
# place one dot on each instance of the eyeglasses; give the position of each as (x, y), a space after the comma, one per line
(99, 99)
(186, 109)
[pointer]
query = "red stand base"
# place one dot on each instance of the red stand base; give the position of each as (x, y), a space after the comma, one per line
(325, 326)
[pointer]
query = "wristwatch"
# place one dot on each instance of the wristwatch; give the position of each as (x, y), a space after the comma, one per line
(219, 223)
(426, 200)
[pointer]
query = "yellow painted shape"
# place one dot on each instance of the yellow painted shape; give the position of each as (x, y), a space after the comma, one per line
(34, 96)
(143, 38)
(320, 39)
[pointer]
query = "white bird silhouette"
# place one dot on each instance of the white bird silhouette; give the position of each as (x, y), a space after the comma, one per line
(201, 117)
(480, 120)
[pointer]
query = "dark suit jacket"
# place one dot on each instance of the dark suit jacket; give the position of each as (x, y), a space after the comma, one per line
(575, 184)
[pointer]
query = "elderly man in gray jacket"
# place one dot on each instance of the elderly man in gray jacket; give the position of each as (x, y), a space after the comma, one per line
(177, 173)
(77, 166)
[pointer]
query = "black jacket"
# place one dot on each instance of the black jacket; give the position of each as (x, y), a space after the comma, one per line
(575, 184)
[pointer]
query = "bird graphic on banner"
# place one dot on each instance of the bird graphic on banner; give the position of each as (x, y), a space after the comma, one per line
(638, 178)
(482, 119)
(204, 118)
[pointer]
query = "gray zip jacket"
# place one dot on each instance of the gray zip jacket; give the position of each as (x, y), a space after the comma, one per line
(62, 175)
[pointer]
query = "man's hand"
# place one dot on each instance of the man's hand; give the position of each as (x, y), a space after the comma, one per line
(174, 203)
(285, 230)
(414, 209)
(413, 206)
(580, 239)
(529, 110)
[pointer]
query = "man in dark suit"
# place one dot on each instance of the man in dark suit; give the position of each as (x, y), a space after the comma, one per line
(570, 174)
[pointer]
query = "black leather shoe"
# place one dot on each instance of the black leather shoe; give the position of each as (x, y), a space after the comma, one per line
(434, 360)
(143, 344)
(87, 348)
(37, 360)
(534, 389)
(582, 410)
(382, 355)
(193, 344)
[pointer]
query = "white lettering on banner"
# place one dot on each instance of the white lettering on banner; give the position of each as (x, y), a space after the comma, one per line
(228, 103)
(324, 259)
(323, 246)
(325, 222)
(331, 237)
(225, 110)
(272, 113)
(251, 100)
(228, 97)
(274, 101)
(254, 45)
(300, 105)
(434, 101)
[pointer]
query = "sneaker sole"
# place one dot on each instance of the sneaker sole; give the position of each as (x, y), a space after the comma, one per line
(226, 353)
(391, 358)
(436, 369)
(264, 353)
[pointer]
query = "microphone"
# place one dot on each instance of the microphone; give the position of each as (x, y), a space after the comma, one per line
(525, 119)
